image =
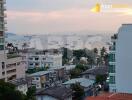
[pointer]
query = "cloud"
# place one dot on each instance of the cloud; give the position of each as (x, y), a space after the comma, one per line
(63, 20)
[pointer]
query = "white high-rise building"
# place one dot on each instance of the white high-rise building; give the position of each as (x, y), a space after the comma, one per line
(11, 66)
(124, 59)
(121, 78)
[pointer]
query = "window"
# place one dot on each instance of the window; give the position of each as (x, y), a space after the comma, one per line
(31, 64)
(3, 73)
(112, 80)
(36, 58)
(1, 40)
(1, 33)
(111, 68)
(11, 71)
(37, 78)
(112, 57)
(18, 63)
(44, 58)
(30, 58)
(3, 65)
(1, 47)
(114, 90)
(36, 64)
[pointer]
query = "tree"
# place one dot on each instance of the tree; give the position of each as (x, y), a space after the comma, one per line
(30, 93)
(95, 50)
(101, 79)
(8, 92)
(67, 55)
(81, 67)
(78, 91)
(79, 53)
(74, 73)
(103, 52)
(104, 56)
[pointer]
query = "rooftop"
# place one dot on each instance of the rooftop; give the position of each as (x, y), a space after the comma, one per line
(40, 73)
(127, 24)
(57, 92)
(18, 82)
(83, 82)
(97, 71)
(111, 96)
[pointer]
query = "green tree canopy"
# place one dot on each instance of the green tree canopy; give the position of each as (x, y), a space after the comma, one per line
(8, 92)
(78, 91)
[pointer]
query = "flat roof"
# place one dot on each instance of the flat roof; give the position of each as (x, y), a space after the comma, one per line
(83, 82)
(111, 96)
(18, 82)
(59, 92)
(40, 73)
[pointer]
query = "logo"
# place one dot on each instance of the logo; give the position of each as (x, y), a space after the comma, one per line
(124, 8)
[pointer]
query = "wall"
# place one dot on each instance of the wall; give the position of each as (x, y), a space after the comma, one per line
(124, 60)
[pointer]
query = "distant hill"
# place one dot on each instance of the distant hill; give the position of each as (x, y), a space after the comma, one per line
(10, 34)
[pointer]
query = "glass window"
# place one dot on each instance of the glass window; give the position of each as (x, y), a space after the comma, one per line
(36, 58)
(112, 57)
(3, 65)
(112, 80)
(1, 40)
(31, 64)
(37, 78)
(1, 47)
(1, 33)
(30, 58)
(111, 68)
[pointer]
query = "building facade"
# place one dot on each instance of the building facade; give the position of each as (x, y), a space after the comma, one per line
(112, 48)
(121, 60)
(2, 24)
(124, 59)
(10, 61)
(11, 68)
(42, 79)
(2, 34)
(39, 60)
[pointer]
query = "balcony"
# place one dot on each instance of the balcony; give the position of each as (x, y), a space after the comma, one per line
(11, 66)
(12, 55)
(11, 72)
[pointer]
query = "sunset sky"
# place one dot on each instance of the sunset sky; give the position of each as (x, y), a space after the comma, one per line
(53, 16)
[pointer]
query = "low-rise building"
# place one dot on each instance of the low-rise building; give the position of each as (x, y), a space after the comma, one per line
(86, 84)
(60, 74)
(39, 59)
(43, 79)
(21, 85)
(11, 67)
(92, 73)
(54, 93)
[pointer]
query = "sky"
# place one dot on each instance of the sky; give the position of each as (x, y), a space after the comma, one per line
(61, 16)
